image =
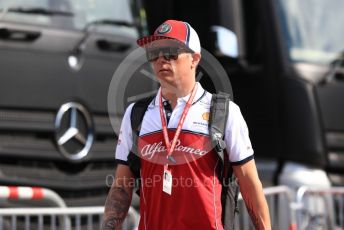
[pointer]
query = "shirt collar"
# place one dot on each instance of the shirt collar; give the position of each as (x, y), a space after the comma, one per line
(198, 95)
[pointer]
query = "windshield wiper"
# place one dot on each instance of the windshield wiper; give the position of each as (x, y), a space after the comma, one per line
(110, 22)
(38, 10)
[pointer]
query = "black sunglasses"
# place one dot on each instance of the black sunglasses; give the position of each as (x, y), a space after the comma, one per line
(168, 53)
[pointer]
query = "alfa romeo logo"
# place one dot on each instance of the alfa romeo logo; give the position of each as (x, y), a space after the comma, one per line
(164, 28)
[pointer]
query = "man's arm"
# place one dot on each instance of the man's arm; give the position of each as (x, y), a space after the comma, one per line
(252, 192)
(119, 198)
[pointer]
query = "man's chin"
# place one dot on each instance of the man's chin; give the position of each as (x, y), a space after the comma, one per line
(166, 79)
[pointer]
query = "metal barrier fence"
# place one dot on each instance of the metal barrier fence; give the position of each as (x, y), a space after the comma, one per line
(59, 218)
(313, 208)
(320, 208)
(281, 218)
(31, 193)
(78, 218)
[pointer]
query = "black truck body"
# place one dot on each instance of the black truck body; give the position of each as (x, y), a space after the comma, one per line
(57, 59)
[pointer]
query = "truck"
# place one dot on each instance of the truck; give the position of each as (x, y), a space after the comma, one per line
(287, 77)
(57, 59)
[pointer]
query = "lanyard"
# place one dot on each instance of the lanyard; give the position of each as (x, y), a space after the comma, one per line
(170, 146)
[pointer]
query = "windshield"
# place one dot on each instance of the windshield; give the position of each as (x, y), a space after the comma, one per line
(313, 29)
(83, 12)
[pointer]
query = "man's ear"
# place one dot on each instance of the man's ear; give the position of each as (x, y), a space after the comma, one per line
(196, 58)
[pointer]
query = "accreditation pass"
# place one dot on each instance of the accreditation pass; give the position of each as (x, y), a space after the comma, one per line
(167, 182)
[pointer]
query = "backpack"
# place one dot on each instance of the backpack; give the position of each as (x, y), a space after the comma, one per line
(217, 125)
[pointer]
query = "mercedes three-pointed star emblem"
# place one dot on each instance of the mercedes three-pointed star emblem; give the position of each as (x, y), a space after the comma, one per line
(74, 131)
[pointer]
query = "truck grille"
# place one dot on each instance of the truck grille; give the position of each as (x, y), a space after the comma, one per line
(29, 156)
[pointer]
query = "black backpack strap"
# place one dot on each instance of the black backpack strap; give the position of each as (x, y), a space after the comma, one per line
(217, 125)
(137, 113)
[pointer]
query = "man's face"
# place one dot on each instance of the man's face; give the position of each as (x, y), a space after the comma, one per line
(173, 64)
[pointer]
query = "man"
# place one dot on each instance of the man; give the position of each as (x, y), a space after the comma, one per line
(179, 186)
